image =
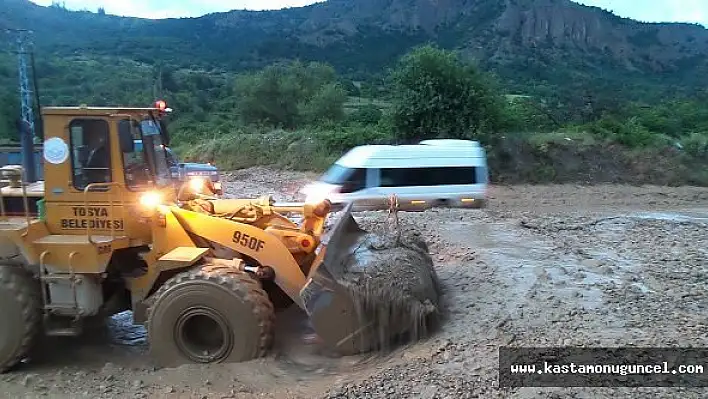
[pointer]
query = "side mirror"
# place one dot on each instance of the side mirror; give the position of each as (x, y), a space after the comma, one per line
(127, 145)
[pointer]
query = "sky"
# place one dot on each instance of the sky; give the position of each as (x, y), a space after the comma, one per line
(643, 10)
(656, 10)
(175, 8)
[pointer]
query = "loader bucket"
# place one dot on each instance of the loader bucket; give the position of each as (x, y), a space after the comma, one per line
(347, 307)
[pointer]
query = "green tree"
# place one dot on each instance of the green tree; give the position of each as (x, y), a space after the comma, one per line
(437, 95)
(368, 114)
(268, 97)
(327, 105)
(526, 114)
(290, 94)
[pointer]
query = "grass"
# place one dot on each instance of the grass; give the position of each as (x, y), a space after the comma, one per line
(292, 150)
(553, 157)
(579, 138)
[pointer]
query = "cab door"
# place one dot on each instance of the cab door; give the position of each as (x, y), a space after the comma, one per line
(85, 190)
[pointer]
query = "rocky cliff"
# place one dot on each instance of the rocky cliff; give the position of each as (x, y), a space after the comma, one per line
(551, 42)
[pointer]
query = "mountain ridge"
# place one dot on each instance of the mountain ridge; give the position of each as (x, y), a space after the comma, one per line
(554, 43)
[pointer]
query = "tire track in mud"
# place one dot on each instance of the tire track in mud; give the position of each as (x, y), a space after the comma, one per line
(520, 279)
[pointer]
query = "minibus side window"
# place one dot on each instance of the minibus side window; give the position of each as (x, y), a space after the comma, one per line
(440, 176)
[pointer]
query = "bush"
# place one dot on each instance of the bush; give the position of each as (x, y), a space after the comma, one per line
(290, 95)
(440, 96)
(630, 132)
(696, 145)
(368, 114)
(526, 114)
(343, 139)
(325, 106)
(578, 138)
(300, 150)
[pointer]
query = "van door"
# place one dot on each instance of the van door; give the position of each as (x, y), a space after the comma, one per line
(398, 181)
(369, 197)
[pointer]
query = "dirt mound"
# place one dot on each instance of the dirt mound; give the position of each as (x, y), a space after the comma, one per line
(518, 161)
(391, 277)
(395, 287)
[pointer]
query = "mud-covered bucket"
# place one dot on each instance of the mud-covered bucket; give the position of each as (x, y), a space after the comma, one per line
(369, 290)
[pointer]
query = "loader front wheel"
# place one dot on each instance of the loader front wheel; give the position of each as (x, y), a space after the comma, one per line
(20, 307)
(213, 314)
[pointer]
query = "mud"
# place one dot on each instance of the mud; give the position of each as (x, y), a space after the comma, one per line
(395, 286)
(381, 286)
(554, 265)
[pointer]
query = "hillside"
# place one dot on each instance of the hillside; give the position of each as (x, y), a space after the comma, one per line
(524, 41)
(566, 54)
(582, 80)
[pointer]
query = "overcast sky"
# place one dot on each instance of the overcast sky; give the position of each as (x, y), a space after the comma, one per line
(643, 10)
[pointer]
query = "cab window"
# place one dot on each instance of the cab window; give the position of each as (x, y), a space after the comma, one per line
(90, 150)
(135, 166)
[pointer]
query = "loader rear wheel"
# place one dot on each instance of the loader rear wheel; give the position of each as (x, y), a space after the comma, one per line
(210, 315)
(20, 307)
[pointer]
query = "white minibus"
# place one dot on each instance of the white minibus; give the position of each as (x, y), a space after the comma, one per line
(433, 173)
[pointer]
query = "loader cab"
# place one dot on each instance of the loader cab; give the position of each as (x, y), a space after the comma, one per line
(94, 175)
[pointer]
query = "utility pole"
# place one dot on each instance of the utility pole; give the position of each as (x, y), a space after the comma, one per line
(27, 126)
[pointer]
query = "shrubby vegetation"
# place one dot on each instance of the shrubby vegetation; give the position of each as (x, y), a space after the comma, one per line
(290, 95)
(304, 115)
(434, 94)
(437, 95)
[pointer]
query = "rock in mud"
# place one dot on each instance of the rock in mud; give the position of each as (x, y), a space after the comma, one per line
(395, 286)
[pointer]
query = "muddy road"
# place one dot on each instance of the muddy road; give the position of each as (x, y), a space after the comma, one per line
(542, 266)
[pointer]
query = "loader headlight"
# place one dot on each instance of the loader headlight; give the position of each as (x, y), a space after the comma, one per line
(150, 200)
(197, 185)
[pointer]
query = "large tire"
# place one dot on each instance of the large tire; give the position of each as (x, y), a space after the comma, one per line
(20, 307)
(213, 314)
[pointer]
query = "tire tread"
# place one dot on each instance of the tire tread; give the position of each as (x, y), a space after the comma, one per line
(22, 285)
(237, 282)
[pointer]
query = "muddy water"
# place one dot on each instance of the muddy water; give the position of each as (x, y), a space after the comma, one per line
(394, 285)
(523, 263)
(523, 285)
(687, 216)
(291, 358)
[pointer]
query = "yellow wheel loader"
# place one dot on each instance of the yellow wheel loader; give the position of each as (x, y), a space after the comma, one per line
(107, 231)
